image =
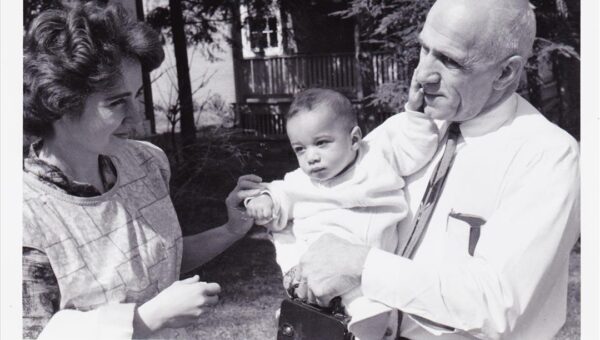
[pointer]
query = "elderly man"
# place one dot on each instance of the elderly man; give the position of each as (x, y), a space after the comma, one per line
(495, 212)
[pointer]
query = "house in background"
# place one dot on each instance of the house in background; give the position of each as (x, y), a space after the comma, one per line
(278, 51)
(287, 47)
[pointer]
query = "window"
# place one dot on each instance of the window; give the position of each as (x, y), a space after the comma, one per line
(261, 35)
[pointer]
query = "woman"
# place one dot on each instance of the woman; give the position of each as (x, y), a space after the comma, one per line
(102, 246)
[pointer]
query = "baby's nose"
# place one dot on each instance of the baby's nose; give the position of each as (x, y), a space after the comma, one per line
(313, 157)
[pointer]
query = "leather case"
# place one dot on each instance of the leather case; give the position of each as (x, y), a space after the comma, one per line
(302, 321)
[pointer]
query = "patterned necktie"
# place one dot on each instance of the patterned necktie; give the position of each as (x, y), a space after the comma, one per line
(430, 198)
(432, 193)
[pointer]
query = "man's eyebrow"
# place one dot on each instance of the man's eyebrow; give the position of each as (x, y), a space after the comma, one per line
(117, 96)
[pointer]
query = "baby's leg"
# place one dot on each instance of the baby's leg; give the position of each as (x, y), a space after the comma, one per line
(369, 319)
(288, 249)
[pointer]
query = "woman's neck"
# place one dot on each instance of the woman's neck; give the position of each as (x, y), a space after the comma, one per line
(77, 163)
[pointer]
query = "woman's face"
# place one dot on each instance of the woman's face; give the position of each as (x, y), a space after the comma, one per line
(109, 114)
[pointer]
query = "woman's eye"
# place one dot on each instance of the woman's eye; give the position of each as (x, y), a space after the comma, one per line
(117, 102)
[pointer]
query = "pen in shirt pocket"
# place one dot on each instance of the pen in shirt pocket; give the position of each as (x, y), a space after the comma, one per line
(475, 222)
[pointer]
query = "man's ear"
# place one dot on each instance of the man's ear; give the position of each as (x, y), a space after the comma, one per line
(356, 136)
(510, 72)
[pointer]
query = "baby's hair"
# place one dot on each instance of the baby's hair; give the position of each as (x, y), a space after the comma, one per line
(310, 99)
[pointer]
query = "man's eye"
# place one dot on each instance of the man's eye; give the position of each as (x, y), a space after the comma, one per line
(449, 62)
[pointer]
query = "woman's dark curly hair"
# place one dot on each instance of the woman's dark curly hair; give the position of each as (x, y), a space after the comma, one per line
(69, 54)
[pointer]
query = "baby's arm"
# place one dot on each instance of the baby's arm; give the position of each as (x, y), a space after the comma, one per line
(261, 209)
(409, 139)
(271, 208)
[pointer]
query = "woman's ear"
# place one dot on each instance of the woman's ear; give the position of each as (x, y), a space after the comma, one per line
(356, 137)
(510, 72)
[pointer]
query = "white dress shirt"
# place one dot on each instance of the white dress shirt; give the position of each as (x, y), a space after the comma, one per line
(520, 173)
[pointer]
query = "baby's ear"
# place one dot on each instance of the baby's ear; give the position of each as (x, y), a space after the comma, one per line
(356, 136)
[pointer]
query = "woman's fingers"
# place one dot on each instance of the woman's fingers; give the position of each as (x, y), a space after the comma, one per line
(249, 182)
(210, 300)
(250, 178)
(243, 194)
(212, 288)
(192, 279)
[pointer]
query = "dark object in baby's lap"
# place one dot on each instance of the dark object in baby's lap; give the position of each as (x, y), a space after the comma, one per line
(299, 320)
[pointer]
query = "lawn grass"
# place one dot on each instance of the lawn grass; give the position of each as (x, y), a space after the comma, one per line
(247, 272)
(252, 292)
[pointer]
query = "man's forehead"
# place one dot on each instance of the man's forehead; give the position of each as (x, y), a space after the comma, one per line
(463, 21)
(458, 28)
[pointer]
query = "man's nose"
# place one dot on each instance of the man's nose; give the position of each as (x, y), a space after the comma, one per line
(427, 73)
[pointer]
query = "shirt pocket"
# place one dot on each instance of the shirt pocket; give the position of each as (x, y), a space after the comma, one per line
(462, 234)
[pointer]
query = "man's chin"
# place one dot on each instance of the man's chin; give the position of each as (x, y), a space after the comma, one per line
(438, 113)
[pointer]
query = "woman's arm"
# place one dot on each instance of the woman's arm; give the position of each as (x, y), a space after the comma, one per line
(200, 248)
(43, 319)
(41, 295)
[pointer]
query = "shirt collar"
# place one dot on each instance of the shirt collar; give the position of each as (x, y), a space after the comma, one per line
(53, 176)
(485, 122)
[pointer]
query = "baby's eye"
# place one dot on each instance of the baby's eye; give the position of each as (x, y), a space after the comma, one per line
(298, 149)
(322, 143)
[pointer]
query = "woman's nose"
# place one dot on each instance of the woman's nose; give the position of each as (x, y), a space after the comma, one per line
(135, 112)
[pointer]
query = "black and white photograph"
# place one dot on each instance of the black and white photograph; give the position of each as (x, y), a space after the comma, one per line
(300, 169)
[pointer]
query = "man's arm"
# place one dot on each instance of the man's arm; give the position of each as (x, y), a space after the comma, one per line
(484, 294)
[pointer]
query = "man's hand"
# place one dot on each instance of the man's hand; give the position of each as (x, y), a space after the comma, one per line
(331, 267)
(415, 95)
(261, 209)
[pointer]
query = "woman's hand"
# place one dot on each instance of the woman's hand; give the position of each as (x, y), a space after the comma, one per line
(180, 305)
(247, 186)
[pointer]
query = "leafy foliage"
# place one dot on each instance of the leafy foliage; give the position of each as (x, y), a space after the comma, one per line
(203, 20)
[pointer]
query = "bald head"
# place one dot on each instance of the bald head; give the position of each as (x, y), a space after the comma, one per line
(496, 28)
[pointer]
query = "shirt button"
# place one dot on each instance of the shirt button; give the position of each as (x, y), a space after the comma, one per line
(388, 332)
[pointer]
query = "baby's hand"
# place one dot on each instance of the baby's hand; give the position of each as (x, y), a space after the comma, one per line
(261, 209)
(415, 95)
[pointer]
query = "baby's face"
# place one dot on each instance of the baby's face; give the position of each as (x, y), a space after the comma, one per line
(323, 144)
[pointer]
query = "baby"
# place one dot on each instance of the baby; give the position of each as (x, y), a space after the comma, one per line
(346, 185)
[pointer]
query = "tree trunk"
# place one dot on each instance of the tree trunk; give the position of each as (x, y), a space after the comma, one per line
(188, 128)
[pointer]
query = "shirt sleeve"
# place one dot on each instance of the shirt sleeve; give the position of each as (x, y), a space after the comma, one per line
(41, 295)
(408, 140)
(43, 319)
(160, 157)
(282, 203)
(532, 230)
